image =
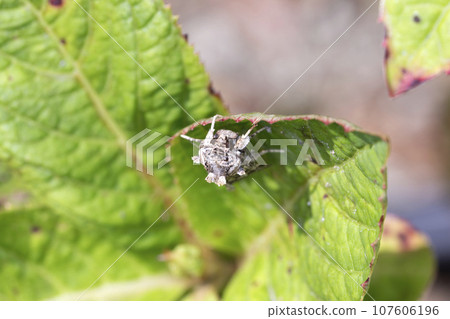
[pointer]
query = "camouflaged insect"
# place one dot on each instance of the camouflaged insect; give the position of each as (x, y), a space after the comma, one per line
(225, 155)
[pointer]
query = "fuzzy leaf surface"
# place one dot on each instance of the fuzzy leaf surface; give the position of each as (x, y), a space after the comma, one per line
(70, 99)
(327, 250)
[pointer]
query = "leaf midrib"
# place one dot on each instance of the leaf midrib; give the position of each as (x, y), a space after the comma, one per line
(97, 103)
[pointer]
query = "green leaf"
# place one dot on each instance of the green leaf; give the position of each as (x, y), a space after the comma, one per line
(43, 255)
(339, 208)
(406, 265)
(71, 97)
(417, 41)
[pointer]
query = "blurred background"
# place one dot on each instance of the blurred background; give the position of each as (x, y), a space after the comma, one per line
(255, 49)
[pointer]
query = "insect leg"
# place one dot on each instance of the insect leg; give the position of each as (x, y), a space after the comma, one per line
(210, 178)
(191, 139)
(196, 159)
(259, 131)
(245, 139)
(221, 181)
(241, 172)
(210, 134)
(249, 130)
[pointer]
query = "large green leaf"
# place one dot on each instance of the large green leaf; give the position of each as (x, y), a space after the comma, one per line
(72, 95)
(339, 208)
(70, 98)
(43, 255)
(417, 41)
(406, 264)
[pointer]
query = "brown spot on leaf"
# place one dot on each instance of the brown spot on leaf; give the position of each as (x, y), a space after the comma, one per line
(289, 270)
(186, 37)
(380, 223)
(63, 41)
(35, 229)
(56, 3)
(213, 92)
(387, 51)
(409, 81)
(218, 233)
(416, 18)
(187, 80)
(291, 228)
(387, 54)
(404, 240)
(325, 196)
(211, 89)
(365, 284)
(416, 82)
